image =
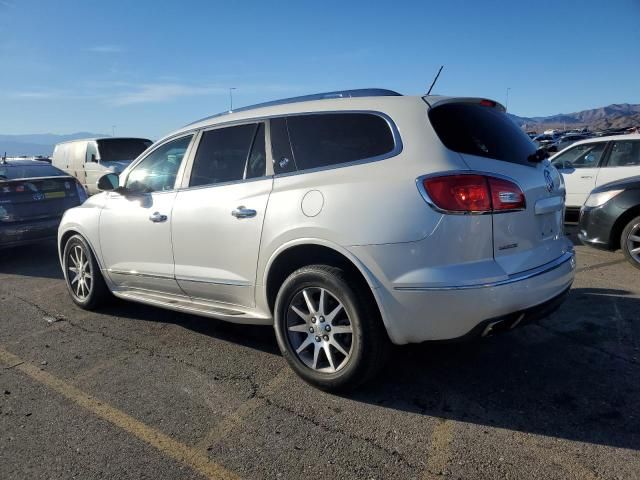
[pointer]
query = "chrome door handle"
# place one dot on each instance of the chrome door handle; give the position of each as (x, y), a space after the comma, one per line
(586, 176)
(158, 217)
(243, 212)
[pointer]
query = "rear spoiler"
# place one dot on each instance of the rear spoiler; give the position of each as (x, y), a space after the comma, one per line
(434, 101)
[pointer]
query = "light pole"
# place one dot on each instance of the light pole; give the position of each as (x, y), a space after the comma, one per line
(231, 89)
(506, 106)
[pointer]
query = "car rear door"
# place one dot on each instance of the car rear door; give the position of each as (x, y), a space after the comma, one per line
(218, 215)
(623, 161)
(135, 226)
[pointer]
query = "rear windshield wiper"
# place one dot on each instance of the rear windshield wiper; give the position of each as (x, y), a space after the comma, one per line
(539, 155)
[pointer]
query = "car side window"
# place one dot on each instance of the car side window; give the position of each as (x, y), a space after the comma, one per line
(223, 154)
(157, 172)
(335, 138)
(283, 161)
(257, 163)
(624, 154)
(586, 155)
(92, 153)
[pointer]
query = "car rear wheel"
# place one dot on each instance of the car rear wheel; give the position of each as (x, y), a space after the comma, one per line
(82, 274)
(327, 328)
(630, 242)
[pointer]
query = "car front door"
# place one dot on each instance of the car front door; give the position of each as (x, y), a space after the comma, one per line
(623, 162)
(579, 167)
(135, 225)
(218, 215)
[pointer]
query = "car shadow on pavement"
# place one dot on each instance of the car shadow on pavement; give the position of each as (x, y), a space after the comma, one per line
(574, 375)
(35, 260)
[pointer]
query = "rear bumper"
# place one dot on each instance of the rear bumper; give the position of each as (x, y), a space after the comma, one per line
(12, 235)
(414, 315)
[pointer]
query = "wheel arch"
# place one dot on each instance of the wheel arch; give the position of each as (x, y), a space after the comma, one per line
(64, 238)
(297, 254)
(620, 223)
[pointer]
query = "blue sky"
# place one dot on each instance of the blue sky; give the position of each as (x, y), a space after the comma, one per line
(149, 67)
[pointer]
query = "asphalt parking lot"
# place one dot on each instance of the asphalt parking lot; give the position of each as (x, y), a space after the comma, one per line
(137, 392)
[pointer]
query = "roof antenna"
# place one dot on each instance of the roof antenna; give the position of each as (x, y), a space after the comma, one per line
(435, 80)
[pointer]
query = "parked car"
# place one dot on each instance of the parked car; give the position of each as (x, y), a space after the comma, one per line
(594, 162)
(546, 142)
(33, 197)
(89, 159)
(348, 220)
(568, 140)
(610, 218)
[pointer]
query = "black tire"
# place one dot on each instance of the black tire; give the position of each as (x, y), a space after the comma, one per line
(632, 230)
(95, 290)
(368, 344)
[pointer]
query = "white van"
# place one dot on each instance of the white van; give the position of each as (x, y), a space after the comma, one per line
(89, 159)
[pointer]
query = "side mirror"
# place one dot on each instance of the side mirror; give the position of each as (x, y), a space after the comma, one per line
(108, 182)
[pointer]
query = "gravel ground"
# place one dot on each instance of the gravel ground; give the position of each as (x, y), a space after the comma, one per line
(137, 392)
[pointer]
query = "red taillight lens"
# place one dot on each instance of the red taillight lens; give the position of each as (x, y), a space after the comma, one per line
(505, 195)
(459, 193)
(473, 193)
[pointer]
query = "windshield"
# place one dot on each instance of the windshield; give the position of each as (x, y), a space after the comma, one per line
(115, 149)
(484, 131)
(13, 172)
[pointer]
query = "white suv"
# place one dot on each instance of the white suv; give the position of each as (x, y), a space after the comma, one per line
(349, 221)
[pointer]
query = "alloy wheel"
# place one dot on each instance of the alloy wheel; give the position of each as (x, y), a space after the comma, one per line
(79, 273)
(319, 330)
(633, 242)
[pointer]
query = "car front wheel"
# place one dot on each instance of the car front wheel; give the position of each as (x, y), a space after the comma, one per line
(82, 274)
(630, 242)
(328, 329)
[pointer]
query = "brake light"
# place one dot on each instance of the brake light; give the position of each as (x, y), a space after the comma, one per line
(474, 193)
(487, 103)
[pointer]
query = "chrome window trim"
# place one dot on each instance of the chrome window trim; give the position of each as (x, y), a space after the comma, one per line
(223, 184)
(568, 256)
(431, 203)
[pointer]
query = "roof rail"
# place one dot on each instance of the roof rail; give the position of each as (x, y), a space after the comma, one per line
(362, 92)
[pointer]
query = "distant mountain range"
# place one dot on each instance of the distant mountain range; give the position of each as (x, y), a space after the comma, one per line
(617, 115)
(37, 144)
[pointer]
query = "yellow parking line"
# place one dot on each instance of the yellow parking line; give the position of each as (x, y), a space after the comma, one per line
(441, 438)
(195, 459)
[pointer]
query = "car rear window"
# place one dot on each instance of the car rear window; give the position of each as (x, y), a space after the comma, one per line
(122, 148)
(484, 131)
(321, 140)
(13, 172)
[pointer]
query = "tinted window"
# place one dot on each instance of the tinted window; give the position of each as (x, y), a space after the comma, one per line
(624, 154)
(222, 155)
(587, 155)
(12, 172)
(158, 171)
(113, 149)
(281, 147)
(334, 138)
(257, 163)
(482, 131)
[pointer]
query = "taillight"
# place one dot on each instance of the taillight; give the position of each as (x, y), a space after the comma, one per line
(473, 193)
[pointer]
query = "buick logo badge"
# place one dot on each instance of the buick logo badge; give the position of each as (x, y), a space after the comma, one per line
(548, 180)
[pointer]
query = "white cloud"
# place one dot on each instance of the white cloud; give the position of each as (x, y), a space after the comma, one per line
(105, 49)
(162, 92)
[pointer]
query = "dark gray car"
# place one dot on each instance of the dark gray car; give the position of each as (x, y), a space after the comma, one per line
(33, 197)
